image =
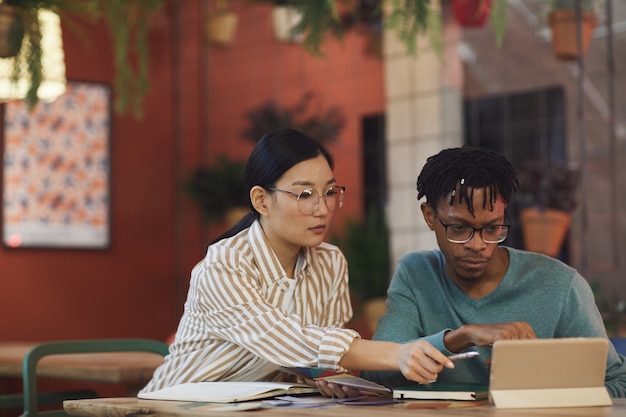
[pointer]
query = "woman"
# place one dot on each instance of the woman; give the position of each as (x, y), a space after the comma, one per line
(271, 293)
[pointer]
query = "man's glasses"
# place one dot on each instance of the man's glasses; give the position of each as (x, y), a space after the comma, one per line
(460, 233)
(309, 199)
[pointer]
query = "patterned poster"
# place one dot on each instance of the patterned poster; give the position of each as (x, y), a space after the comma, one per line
(56, 170)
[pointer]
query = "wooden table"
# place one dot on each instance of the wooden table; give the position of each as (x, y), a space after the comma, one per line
(131, 407)
(133, 369)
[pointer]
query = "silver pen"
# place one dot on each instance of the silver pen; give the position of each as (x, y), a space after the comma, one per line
(464, 355)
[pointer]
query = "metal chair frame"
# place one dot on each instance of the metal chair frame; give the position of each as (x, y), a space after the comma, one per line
(32, 399)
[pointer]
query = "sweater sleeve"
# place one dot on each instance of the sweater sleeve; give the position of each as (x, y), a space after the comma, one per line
(582, 318)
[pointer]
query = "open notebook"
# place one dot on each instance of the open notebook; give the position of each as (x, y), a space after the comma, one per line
(567, 372)
(226, 391)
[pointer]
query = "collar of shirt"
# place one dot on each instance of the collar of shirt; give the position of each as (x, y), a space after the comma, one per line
(267, 260)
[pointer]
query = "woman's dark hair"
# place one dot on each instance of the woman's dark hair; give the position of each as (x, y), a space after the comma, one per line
(274, 154)
(456, 169)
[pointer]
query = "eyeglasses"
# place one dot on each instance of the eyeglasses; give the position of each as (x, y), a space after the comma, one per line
(460, 233)
(309, 199)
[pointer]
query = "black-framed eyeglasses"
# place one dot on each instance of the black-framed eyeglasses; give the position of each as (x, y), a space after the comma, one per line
(309, 199)
(461, 233)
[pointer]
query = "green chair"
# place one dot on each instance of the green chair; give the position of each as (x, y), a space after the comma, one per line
(33, 399)
(14, 401)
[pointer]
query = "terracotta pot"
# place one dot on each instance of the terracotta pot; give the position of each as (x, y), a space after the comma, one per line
(544, 230)
(564, 33)
(471, 13)
(221, 28)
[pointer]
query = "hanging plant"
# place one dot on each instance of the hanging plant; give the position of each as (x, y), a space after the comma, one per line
(316, 20)
(563, 19)
(25, 40)
(406, 18)
(128, 22)
(472, 13)
(221, 25)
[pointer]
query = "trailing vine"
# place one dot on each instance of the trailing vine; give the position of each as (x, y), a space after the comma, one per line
(128, 22)
(406, 18)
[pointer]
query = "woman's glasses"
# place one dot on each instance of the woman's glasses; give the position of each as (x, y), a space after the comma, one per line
(309, 199)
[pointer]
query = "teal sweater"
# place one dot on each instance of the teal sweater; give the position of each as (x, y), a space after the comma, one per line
(422, 303)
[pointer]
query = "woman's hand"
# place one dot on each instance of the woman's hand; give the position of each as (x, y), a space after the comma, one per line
(421, 362)
(418, 361)
(328, 389)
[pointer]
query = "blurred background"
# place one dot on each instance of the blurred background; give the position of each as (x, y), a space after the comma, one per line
(169, 163)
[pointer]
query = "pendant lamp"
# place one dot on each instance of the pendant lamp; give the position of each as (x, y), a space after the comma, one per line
(52, 60)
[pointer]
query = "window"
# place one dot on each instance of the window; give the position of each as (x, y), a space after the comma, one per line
(520, 125)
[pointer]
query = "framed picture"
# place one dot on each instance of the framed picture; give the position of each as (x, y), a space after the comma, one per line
(56, 171)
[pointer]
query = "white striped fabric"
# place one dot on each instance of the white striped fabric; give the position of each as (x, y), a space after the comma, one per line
(233, 327)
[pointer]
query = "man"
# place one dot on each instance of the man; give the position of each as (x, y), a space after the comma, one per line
(472, 291)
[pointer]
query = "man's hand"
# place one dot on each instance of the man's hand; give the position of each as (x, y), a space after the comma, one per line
(486, 334)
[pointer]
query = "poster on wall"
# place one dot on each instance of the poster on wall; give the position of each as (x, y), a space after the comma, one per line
(56, 171)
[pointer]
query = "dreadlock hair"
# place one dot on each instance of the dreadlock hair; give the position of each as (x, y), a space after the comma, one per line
(452, 171)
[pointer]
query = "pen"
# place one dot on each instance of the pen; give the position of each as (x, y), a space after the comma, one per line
(464, 355)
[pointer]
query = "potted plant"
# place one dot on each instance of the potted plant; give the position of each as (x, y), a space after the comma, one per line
(128, 21)
(563, 19)
(406, 18)
(219, 190)
(305, 21)
(22, 40)
(366, 247)
(221, 26)
(471, 13)
(547, 195)
(285, 20)
(316, 19)
(323, 125)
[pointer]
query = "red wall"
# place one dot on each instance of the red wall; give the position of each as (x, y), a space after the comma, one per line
(127, 289)
(195, 110)
(256, 68)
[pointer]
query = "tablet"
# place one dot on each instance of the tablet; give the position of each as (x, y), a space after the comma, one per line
(533, 373)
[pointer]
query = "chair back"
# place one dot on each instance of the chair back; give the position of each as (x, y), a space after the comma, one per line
(29, 370)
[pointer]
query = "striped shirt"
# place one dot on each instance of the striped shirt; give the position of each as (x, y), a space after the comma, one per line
(234, 327)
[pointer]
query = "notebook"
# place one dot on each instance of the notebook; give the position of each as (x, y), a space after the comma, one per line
(226, 392)
(534, 373)
(442, 391)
